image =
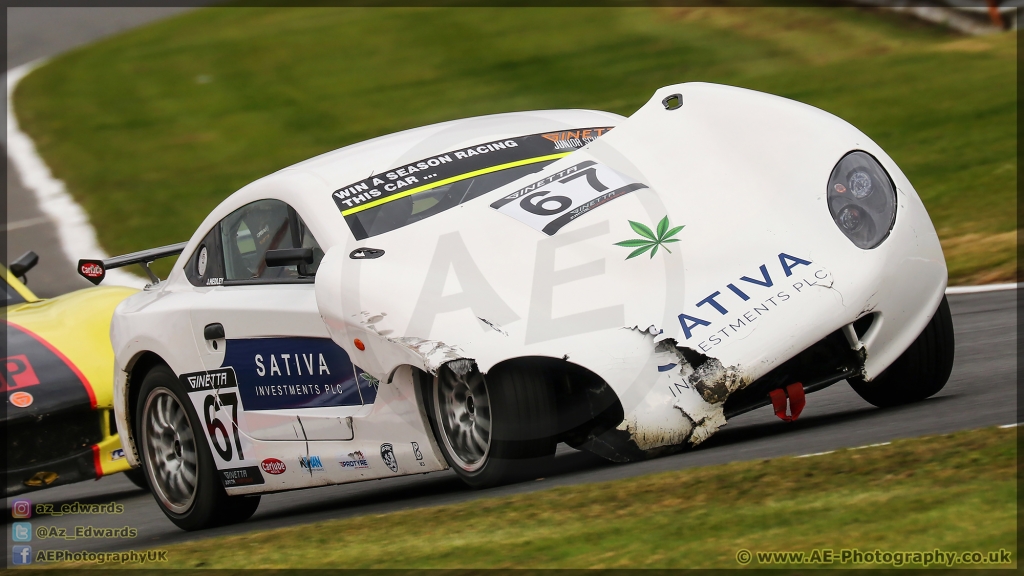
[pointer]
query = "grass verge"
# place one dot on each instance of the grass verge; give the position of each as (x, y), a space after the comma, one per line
(152, 128)
(956, 492)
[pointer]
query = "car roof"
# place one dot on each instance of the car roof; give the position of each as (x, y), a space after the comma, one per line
(357, 161)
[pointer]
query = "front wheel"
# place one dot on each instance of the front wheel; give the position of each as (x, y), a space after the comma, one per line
(179, 467)
(493, 430)
(918, 373)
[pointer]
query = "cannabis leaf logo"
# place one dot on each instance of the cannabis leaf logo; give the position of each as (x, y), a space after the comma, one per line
(370, 380)
(650, 239)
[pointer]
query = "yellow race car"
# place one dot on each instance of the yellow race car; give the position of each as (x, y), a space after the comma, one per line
(58, 378)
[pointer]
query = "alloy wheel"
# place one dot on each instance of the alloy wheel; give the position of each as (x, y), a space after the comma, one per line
(170, 450)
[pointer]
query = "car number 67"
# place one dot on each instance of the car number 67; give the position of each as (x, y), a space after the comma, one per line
(214, 424)
(580, 189)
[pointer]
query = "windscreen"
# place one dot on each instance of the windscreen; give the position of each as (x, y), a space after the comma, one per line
(421, 189)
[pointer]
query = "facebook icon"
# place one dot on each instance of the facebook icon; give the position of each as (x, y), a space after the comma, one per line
(21, 555)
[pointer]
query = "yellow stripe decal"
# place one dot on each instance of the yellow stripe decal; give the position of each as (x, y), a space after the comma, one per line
(472, 174)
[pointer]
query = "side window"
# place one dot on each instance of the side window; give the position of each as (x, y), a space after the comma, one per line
(238, 245)
(249, 232)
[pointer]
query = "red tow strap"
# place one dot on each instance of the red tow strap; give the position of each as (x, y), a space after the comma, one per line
(795, 392)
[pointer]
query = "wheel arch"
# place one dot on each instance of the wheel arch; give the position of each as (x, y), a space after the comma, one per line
(134, 372)
(586, 405)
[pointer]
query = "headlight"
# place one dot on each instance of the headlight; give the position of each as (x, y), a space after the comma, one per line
(862, 199)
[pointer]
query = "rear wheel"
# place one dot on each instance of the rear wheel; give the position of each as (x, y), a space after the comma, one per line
(921, 371)
(494, 429)
(177, 461)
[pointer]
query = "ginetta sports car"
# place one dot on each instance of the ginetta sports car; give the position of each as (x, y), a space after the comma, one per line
(467, 295)
(58, 380)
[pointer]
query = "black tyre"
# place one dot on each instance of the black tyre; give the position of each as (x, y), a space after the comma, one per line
(921, 371)
(176, 458)
(138, 477)
(496, 429)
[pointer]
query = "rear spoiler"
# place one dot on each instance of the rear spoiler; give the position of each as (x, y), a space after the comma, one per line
(95, 270)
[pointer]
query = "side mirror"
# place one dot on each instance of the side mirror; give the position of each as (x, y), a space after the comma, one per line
(289, 257)
(23, 264)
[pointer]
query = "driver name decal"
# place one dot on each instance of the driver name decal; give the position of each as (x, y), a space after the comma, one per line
(557, 199)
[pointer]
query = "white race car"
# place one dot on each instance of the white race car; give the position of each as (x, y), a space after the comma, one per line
(467, 295)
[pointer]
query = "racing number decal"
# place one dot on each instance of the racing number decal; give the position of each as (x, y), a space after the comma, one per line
(221, 386)
(212, 404)
(557, 199)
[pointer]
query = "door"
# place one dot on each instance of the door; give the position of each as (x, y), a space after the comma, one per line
(259, 330)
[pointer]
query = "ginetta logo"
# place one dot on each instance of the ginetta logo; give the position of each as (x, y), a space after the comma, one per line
(582, 135)
(18, 373)
(273, 466)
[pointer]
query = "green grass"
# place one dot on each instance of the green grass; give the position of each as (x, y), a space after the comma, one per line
(152, 128)
(956, 492)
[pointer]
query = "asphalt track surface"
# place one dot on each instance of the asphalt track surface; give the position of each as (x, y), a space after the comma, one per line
(981, 391)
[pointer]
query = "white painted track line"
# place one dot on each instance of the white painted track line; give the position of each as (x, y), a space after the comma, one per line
(982, 288)
(815, 454)
(76, 234)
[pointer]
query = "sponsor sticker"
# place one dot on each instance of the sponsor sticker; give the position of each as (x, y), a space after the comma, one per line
(355, 460)
(731, 312)
(287, 373)
(21, 399)
(557, 199)
(92, 270)
(368, 386)
(387, 454)
(273, 466)
(419, 455)
(469, 165)
(573, 139)
(311, 463)
(650, 239)
(117, 454)
(33, 361)
(18, 373)
(248, 476)
(201, 261)
(209, 380)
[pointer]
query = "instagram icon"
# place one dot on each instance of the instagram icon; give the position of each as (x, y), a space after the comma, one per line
(21, 509)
